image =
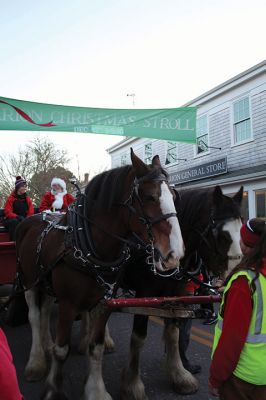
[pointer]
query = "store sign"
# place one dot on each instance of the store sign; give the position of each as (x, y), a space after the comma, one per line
(210, 169)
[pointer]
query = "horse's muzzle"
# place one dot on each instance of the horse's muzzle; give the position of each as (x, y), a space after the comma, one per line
(168, 263)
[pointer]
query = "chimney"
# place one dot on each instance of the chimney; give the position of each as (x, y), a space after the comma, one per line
(86, 178)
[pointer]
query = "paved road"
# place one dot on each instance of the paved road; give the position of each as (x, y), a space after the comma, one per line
(153, 371)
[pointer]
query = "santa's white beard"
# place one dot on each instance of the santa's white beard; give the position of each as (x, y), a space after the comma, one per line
(58, 202)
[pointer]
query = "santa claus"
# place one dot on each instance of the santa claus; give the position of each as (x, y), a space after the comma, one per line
(57, 199)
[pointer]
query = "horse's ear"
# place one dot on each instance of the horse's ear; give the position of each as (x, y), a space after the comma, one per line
(139, 166)
(217, 195)
(239, 196)
(156, 162)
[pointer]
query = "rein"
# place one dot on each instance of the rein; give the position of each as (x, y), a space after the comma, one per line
(78, 237)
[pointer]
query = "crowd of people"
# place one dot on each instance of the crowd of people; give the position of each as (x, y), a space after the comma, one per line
(238, 366)
(19, 205)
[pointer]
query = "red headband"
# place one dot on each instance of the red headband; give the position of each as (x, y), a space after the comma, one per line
(248, 237)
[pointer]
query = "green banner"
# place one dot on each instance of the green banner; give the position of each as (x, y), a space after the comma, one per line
(176, 124)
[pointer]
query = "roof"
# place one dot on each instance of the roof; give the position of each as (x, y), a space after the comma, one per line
(216, 91)
(230, 83)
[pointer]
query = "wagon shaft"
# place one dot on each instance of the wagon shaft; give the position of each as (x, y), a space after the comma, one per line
(161, 312)
(166, 307)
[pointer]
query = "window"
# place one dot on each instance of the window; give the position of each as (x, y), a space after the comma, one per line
(242, 125)
(260, 196)
(171, 153)
(124, 159)
(148, 153)
(202, 135)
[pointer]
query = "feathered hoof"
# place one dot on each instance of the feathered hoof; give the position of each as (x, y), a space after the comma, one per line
(125, 395)
(189, 387)
(37, 373)
(50, 394)
(132, 389)
(105, 396)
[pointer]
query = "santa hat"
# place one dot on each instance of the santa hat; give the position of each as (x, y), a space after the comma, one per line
(60, 182)
(248, 236)
(19, 182)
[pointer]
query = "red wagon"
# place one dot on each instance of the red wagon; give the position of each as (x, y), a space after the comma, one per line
(7, 255)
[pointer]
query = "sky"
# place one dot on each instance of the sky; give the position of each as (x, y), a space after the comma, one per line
(93, 53)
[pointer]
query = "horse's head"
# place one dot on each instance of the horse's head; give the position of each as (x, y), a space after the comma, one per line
(223, 235)
(154, 217)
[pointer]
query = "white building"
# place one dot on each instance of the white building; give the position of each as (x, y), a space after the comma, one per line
(231, 142)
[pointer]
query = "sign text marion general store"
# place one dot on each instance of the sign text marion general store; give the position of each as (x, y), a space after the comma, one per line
(212, 168)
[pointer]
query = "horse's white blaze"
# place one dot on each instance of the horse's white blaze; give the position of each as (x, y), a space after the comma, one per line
(168, 206)
(233, 227)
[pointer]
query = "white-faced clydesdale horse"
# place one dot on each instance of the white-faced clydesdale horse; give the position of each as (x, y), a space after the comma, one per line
(210, 224)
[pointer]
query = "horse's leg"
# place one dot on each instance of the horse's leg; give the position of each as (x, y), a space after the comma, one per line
(85, 335)
(54, 382)
(37, 363)
(46, 310)
(94, 387)
(184, 382)
(132, 385)
(109, 345)
(84, 332)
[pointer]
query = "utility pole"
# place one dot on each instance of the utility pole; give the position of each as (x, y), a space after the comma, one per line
(78, 167)
(133, 98)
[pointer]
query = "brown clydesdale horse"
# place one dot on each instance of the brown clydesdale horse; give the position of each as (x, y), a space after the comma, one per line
(78, 258)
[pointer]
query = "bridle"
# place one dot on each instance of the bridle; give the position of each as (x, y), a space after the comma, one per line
(149, 248)
(213, 226)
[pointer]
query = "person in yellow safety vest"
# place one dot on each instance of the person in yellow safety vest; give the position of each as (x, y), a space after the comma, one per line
(238, 367)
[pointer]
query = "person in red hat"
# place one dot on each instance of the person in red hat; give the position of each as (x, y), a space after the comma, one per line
(57, 199)
(18, 206)
(238, 367)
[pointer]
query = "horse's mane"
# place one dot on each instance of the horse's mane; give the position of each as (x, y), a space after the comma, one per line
(195, 201)
(106, 188)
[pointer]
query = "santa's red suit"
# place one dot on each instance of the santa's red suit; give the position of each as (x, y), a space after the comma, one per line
(56, 201)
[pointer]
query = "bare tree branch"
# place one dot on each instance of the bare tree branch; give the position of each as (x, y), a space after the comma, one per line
(36, 162)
